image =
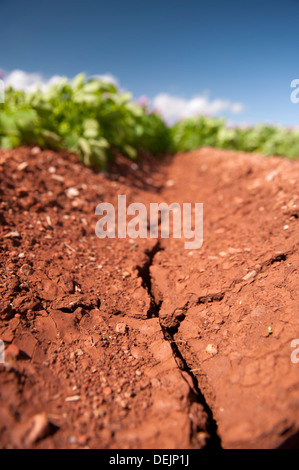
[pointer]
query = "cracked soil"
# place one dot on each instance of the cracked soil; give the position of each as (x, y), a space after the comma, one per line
(120, 343)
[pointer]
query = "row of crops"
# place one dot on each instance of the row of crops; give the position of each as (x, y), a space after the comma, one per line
(93, 119)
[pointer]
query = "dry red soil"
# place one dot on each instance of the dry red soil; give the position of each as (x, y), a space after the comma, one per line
(120, 343)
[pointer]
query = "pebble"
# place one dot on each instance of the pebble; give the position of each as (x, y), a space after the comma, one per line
(49, 222)
(211, 349)
(73, 398)
(79, 352)
(77, 203)
(13, 235)
(232, 250)
(271, 175)
(121, 328)
(26, 269)
(249, 275)
(35, 150)
(72, 192)
(57, 178)
(22, 166)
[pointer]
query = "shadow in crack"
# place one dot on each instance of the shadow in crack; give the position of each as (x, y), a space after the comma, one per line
(292, 442)
(214, 442)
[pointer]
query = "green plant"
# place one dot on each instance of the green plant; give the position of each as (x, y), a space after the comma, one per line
(87, 117)
(192, 133)
(93, 119)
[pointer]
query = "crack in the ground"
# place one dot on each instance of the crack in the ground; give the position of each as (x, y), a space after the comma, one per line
(211, 298)
(144, 274)
(169, 331)
(283, 256)
(213, 442)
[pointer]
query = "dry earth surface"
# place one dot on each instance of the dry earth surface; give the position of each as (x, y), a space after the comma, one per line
(120, 343)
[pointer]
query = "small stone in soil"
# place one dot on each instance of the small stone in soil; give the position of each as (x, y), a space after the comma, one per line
(26, 269)
(13, 235)
(73, 398)
(72, 192)
(211, 349)
(249, 275)
(121, 328)
(22, 166)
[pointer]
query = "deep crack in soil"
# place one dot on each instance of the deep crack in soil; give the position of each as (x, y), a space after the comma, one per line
(144, 274)
(213, 442)
(120, 343)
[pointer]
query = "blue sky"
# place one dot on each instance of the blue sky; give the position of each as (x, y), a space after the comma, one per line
(222, 52)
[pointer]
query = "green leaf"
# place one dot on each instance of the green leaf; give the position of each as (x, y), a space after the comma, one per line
(92, 86)
(101, 142)
(8, 124)
(91, 128)
(78, 81)
(50, 138)
(130, 151)
(85, 146)
(9, 142)
(82, 97)
(99, 157)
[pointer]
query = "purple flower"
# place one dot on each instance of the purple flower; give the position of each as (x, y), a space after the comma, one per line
(142, 101)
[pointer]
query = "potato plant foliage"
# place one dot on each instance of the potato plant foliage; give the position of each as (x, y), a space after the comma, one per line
(90, 118)
(93, 118)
